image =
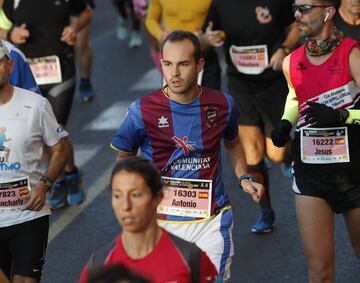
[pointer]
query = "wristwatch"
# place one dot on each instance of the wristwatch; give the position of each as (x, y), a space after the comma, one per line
(245, 177)
(47, 182)
(286, 49)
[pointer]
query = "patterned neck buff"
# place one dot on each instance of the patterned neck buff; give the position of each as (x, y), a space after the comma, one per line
(318, 47)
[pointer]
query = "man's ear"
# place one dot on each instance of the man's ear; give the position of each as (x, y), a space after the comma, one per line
(11, 63)
(200, 65)
(330, 13)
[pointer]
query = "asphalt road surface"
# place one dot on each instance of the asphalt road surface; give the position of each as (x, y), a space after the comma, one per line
(120, 75)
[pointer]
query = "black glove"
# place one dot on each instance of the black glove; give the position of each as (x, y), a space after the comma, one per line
(280, 135)
(319, 115)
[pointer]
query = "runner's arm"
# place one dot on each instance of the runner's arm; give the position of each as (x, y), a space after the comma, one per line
(58, 159)
(3, 33)
(354, 117)
(280, 134)
(292, 37)
(3, 278)
(82, 20)
(123, 154)
(153, 19)
(236, 155)
(287, 45)
(8, 31)
(238, 160)
(130, 134)
(291, 106)
(212, 33)
(5, 23)
(70, 32)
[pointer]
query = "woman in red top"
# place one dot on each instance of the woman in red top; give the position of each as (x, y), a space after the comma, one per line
(143, 246)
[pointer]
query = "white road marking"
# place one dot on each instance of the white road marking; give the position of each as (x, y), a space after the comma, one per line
(84, 153)
(110, 118)
(102, 36)
(151, 80)
(72, 212)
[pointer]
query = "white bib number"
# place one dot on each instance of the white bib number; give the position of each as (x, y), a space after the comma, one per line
(250, 60)
(46, 70)
(186, 197)
(324, 145)
(15, 193)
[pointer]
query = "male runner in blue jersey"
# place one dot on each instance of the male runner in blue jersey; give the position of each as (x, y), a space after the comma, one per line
(180, 129)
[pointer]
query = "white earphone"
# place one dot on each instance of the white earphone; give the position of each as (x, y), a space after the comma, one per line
(326, 17)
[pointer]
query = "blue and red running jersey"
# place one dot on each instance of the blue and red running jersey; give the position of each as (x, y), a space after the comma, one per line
(182, 140)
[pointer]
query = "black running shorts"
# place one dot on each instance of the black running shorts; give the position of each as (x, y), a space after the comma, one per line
(23, 246)
(259, 103)
(338, 191)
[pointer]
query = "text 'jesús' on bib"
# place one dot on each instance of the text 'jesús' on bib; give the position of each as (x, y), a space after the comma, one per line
(324, 145)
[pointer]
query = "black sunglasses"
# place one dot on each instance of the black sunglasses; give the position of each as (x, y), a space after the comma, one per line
(306, 8)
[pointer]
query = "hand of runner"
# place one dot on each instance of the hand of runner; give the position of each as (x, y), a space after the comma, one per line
(320, 115)
(280, 135)
(256, 190)
(19, 35)
(213, 37)
(277, 59)
(37, 198)
(69, 35)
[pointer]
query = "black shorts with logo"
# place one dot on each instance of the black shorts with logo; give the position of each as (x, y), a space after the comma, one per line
(337, 189)
(260, 103)
(23, 246)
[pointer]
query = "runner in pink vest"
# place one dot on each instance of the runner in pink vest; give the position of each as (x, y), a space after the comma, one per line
(323, 102)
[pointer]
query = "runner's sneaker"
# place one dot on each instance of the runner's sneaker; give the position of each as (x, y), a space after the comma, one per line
(57, 194)
(268, 163)
(286, 170)
(75, 192)
(86, 91)
(135, 39)
(264, 224)
(121, 30)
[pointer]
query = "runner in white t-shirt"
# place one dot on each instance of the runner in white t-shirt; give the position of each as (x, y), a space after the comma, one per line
(27, 123)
